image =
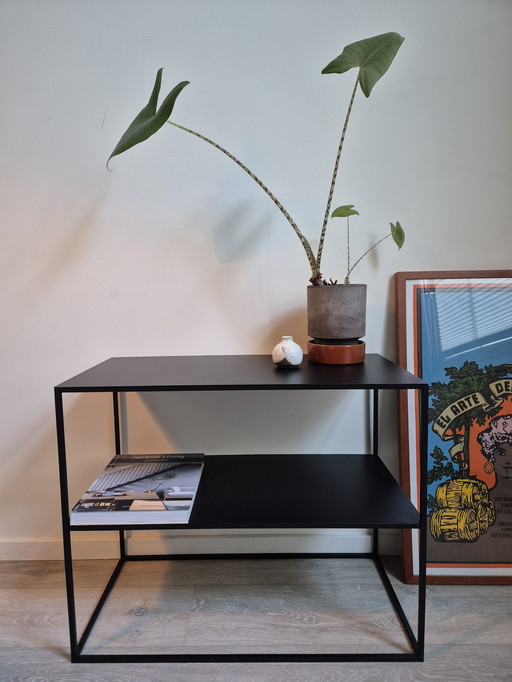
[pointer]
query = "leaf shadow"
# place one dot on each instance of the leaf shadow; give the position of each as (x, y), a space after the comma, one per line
(238, 232)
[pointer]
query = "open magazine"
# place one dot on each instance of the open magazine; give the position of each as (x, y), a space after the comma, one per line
(141, 489)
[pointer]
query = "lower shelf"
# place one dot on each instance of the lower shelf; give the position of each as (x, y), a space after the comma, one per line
(295, 491)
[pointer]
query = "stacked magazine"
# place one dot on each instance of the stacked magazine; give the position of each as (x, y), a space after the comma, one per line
(140, 489)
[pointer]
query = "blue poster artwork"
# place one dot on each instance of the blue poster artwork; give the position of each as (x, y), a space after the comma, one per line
(464, 352)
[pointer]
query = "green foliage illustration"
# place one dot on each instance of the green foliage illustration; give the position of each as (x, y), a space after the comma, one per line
(442, 468)
(466, 380)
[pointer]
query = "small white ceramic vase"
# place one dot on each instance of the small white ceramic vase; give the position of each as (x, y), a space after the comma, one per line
(287, 353)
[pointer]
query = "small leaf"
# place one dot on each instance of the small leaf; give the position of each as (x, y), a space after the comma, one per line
(344, 211)
(398, 234)
(372, 56)
(149, 120)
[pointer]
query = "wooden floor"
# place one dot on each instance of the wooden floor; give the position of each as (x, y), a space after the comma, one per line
(299, 605)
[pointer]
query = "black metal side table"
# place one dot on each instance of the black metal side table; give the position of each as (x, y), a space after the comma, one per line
(352, 491)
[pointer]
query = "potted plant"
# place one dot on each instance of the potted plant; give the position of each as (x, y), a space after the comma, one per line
(336, 312)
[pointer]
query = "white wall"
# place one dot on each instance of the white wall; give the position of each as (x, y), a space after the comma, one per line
(177, 251)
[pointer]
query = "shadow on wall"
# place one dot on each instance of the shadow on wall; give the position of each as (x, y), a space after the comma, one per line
(294, 323)
(238, 422)
(240, 231)
(243, 422)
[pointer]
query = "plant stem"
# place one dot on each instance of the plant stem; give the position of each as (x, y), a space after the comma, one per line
(334, 176)
(307, 247)
(348, 250)
(347, 281)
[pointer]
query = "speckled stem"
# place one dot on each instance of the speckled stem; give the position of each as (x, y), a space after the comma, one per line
(307, 247)
(334, 176)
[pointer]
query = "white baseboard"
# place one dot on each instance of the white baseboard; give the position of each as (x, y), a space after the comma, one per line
(105, 545)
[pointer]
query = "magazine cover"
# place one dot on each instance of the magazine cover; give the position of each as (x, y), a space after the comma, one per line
(141, 489)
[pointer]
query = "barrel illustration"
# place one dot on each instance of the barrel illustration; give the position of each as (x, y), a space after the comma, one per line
(460, 525)
(464, 511)
(486, 515)
(463, 493)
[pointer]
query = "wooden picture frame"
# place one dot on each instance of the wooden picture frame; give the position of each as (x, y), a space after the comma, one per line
(454, 329)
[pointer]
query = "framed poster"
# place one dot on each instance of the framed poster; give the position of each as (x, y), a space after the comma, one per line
(454, 329)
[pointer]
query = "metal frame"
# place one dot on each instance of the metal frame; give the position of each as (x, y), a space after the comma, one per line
(77, 644)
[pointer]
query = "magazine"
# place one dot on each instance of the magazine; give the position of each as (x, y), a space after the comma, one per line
(141, 489)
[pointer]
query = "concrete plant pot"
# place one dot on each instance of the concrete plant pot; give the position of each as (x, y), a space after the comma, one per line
(336, 323)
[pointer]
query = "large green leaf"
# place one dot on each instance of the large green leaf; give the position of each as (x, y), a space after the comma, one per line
(372, 56)
(149, 120)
